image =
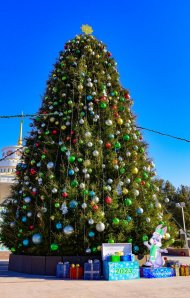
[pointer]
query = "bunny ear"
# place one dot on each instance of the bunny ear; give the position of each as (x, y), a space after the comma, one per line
(158, 227)
(164, 230)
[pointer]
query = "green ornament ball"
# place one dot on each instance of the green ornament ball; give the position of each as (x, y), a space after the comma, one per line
(71, 158)
(94, 249)
(130, 240)
(74, 183)
(144, 237)
(63, 148)
(103, 105)
(127, 202)
(54, 247)
(57, 205)
(80, 160)
(13, 249)
(115, 220)
(117, 145)
(126, 137)
(111, 241)
(122, 170)
(122, 99)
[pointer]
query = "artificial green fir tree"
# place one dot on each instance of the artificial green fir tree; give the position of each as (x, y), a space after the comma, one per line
(85, 177)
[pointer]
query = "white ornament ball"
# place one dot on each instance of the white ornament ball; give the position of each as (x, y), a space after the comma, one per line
(95, 153)
(82, 185)
(166, 200)
(128, 181)
(87, 134)
(81, 121)
(84, 205)
(108, 122)
(91, 221)
(147, 219)
(89, 144)
(100, 227)
(110, 181)
(135, 192)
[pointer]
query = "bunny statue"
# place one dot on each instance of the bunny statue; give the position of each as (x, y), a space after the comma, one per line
(155, 259)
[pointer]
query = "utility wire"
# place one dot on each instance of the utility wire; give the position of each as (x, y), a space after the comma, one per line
(60, 114)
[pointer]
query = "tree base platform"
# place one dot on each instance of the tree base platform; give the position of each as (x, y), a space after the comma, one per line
(43, 265)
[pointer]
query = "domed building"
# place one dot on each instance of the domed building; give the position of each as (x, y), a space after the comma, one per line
(10, 158)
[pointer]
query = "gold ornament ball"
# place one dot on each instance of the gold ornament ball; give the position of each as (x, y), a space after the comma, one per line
(99, 248)
(87, 163)
(135, 170)
(120, 121)
(52, 119)
(63, 127)
(80, 87)
(125, 191)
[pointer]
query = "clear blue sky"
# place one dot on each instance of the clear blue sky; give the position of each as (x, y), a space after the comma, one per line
(149, 39)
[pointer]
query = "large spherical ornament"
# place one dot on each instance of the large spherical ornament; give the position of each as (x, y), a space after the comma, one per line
(117, 145)
(128, 181)
(84, 205)
(129, 218)
(73, 204)
(29, 214)
(95, 153)
(58, 226)
(54, 246)
(135, 170)
(87, 134)
(136, 192)
(50, 165)
(27, 200)
(166, 200)
(108, 200)
(89, 144)
(54, 190)
(147, 219)
(24, 219)
(100, 227)
(139, 210)
(91, 234)
(81, 121)
(108, 122)
(128, 202)
(71, 172)
(12, 224)
(120, 121)
(68, 230)
(95, 199)
(110, 181)
(135, 248)
(25, 242)
(37, 238)
(158, 205)
(88, 250)
(115, 220)
(82, 185)
(91, 221)
(71, 158)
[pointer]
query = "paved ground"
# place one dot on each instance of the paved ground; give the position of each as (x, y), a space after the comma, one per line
(13, 285)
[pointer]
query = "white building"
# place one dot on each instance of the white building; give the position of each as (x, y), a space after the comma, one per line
(10, 158)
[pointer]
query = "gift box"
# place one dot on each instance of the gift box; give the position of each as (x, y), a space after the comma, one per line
(115, 249)
(161, 272)
(121, 270)
(92, 270)
(128, 258)
(59, 270)
(76, 272)
(115, 258)
(62, 270)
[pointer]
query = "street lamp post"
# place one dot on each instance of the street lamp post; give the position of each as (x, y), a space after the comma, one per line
(182, 205)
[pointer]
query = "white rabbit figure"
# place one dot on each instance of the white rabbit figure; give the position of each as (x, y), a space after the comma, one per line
(155, 259)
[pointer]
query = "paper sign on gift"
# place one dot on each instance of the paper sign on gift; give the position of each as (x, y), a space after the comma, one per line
(111, 248)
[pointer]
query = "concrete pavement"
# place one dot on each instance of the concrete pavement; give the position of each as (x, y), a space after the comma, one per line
(13, 285)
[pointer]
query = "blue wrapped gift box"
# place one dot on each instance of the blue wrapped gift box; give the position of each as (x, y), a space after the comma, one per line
(92, 271)
(161, 272)
(62, 270)
(121, 270)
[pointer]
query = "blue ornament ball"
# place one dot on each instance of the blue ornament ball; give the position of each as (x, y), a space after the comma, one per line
(37, 238)
(71, 172)
(89, 97)
(24, 219)
(59, 226)
(91, 234)
(139, 211)
(92, 193)
(25, 242)
(135, 248)
(129, 218)
(73, 204)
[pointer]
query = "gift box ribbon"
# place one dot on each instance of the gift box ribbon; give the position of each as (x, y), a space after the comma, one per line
(91, 271)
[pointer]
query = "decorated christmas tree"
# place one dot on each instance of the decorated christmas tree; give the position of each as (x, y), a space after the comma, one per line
(85, 177)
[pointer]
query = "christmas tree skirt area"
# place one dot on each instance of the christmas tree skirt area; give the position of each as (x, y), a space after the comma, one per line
(43, 265)
(162, 272)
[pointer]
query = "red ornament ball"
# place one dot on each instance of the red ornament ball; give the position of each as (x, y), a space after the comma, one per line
(108, 200)
(95, 207)
(31, 227)
(108, 145)
(64, 194)
(54, 132)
